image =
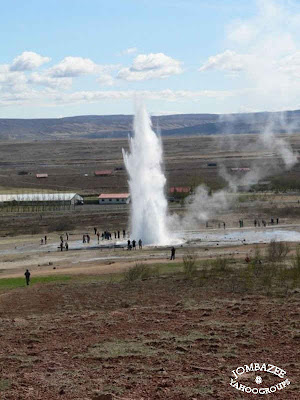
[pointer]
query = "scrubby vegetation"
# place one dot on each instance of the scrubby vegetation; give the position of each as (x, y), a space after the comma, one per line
(139, 272)
(189, 265)
(273, 272)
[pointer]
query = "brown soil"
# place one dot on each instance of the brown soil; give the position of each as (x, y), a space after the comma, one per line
(157, 339)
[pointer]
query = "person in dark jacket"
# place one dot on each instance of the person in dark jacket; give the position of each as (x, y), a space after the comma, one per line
(172, 253)
(27, 276)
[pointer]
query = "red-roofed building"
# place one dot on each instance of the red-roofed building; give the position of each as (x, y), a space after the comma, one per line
(104, 172)
(114, 198)
(179, 189)
(39, 176)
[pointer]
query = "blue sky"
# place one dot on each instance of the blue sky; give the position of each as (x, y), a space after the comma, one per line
(63, 58)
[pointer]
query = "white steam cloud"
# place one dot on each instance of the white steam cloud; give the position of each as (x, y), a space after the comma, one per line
(203, 205)
(263, 53)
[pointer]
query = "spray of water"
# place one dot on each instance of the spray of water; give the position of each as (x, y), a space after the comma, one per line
(146, 183)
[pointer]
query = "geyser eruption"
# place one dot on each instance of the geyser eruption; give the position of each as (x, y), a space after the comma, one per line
(146, 182)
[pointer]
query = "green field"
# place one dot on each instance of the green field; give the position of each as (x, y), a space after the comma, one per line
(13, 283)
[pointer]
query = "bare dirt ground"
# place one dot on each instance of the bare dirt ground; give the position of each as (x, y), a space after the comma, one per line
(157, 339)
(97, 337)
(186, 162)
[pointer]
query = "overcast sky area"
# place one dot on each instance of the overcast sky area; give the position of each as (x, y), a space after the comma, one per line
(77, 57)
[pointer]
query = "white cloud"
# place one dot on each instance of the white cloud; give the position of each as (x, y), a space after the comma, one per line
(106, 79)
(291, 64)
(72, 67)
(266, 48)
(228, 60)
(167, 94)
(28, 61)
(11, 81)
(151, 66)
(24, 97)
(42, 79)
(130, 50)
(52, 97)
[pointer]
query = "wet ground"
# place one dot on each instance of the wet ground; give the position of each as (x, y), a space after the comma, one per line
(17, 253)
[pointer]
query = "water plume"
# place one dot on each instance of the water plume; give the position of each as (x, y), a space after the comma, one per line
(146, 182)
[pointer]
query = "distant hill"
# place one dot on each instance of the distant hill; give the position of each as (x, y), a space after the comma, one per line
(119, 126)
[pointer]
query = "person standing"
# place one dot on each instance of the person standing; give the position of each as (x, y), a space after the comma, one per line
(173, 253)
(27, 276)
(95, 230)
(133, 244)
(140, 244)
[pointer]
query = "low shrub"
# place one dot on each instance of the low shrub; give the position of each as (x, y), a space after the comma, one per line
(140, 271)
(220, 265)
(189, 265)
(277, 251)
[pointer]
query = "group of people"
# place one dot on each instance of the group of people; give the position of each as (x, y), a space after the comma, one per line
(108, 235)
(258, 223)
(132, 245)
(64, 243)
(219, 224)
(86, 238)
(44, 240)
